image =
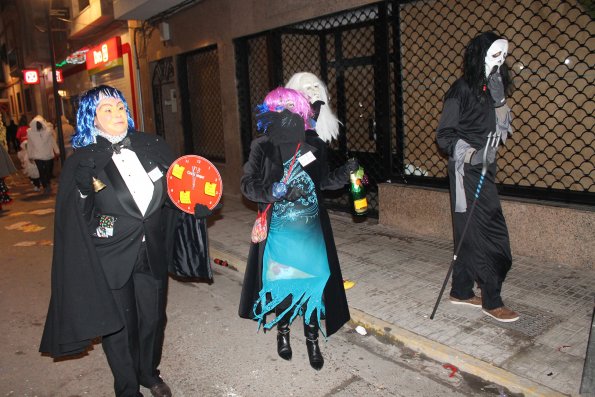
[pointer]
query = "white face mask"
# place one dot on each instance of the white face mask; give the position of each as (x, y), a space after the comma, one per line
(496, 55)
(310, 86)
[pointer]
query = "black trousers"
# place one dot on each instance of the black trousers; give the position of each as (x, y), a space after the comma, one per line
(45, 171)
(485, 255)
(134, 352)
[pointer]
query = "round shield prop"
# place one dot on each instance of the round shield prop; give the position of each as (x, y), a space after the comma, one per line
(194, 180)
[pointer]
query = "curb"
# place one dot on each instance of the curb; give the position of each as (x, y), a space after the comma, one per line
(434, 350)
(444, 354)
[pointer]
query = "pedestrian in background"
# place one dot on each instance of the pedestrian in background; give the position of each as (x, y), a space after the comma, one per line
(29, 167)
(295, 270)
(42, 148)
(67, 133)
(11, 136)
(475, 109)
(22, 129)
(6, 167)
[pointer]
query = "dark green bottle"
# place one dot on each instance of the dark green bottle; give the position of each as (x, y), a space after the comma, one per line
(358, 192)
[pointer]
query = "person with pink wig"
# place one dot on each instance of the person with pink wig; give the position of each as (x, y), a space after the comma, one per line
(295, 270)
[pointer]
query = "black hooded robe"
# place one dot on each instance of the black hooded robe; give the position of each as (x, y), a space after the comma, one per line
(485, 255)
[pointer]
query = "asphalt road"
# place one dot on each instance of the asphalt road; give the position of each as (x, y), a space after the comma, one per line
(209, 350)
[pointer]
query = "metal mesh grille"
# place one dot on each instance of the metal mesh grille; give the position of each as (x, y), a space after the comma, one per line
(308, 48)
(391, 105)
(205, 104)
(551, 57)
(346, 67)
(163, 72)
(259, 72)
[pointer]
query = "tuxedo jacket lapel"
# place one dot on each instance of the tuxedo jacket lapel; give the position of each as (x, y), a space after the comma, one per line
(156, 201)
(121, 190)
(124, 196)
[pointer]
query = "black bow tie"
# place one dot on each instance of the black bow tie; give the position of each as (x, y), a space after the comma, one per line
(124, 143)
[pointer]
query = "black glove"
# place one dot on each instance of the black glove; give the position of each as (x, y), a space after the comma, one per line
(496, 87)
(316, 109)
(294, 193)
(202, 211)
(83, 176)
(477, 157)
(351, 165)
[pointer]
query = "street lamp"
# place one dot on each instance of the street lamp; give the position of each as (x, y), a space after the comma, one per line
(57, 104)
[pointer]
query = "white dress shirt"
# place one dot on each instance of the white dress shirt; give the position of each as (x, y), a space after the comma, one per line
(136, 178)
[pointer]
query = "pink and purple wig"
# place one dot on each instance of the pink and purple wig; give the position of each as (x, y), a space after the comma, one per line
(286, 98)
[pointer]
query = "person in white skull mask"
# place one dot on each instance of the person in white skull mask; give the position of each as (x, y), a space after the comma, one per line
(475, 119)
(324, 122)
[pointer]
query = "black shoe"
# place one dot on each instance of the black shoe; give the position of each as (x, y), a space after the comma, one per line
(160, 390)
(283, 346)
(314, 354)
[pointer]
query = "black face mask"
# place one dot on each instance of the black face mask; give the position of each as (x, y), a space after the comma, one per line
(284, 127)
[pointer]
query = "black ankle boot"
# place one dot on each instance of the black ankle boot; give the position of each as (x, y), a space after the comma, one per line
(283, 346)
(314, 354)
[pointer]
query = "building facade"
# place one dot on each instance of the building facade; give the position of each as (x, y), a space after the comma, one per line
(194, 70)
(388, 65)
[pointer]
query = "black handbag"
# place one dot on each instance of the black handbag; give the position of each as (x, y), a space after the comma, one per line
(190, 260)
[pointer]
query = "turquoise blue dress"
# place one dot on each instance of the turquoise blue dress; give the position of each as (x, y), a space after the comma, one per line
(295, 262)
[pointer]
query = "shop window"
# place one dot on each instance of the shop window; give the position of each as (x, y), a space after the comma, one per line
(83, 4)
(28, 103)
(19, 102)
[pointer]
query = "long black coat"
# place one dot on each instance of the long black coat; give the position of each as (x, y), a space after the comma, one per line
(264, 167)
(85, 268)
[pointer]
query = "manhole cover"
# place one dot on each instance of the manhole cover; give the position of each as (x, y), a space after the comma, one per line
(533, 322)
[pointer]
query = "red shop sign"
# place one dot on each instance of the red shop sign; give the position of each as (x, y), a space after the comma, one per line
(30, 76)
(105, 55)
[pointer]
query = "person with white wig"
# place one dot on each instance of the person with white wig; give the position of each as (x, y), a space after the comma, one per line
(324, 122)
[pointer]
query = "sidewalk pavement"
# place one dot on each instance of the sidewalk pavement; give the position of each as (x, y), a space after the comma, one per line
(398, 277)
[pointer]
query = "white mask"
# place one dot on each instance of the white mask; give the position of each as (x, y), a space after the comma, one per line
(310, 86)
(496, 55)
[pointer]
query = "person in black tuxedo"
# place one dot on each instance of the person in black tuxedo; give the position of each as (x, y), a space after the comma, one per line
(109, 271)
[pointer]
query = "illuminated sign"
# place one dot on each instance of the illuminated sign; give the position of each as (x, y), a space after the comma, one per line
(105, 55)
(59, 77)
(31, 76)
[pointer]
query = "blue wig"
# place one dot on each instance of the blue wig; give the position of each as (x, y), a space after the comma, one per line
(85, 117)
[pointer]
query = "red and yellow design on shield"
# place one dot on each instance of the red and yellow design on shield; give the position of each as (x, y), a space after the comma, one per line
(194, 180)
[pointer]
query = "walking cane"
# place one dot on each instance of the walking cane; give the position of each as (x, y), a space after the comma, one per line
(493, 140)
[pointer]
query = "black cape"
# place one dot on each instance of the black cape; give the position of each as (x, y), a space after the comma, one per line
(81, 305)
